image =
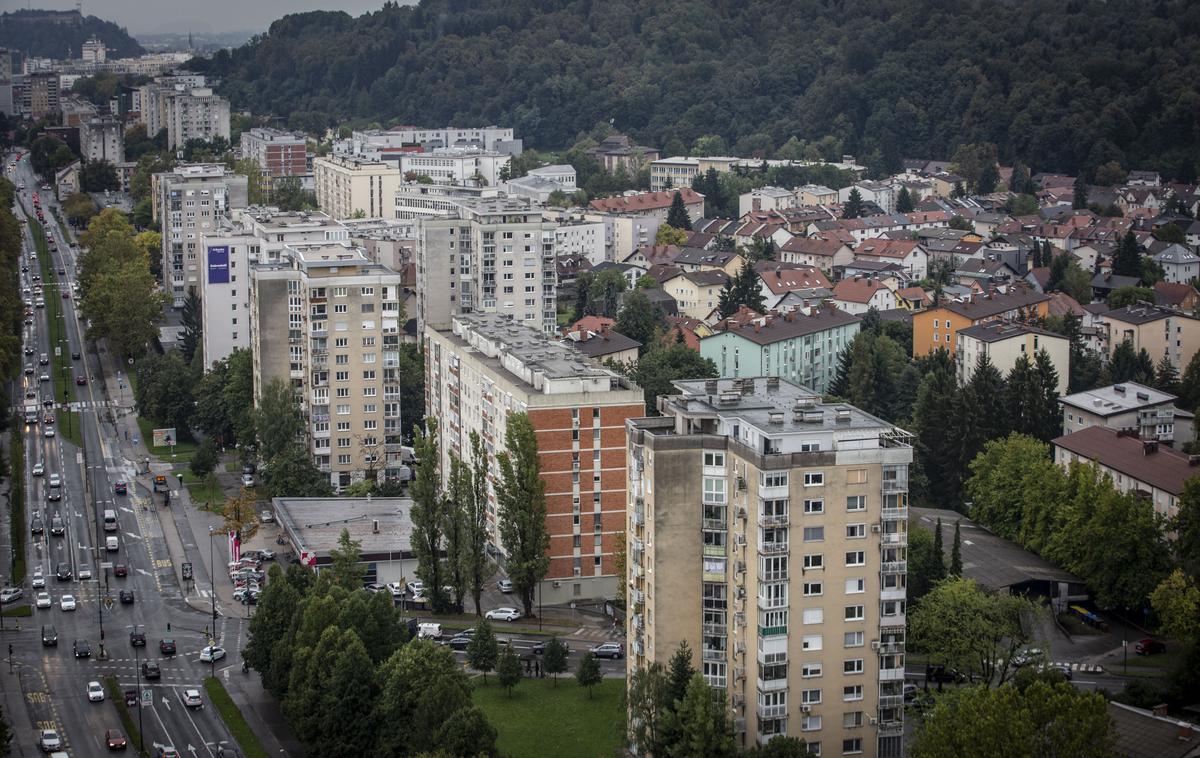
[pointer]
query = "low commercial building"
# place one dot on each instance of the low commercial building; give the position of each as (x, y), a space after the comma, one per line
(467, 166)
(1148, 413)
(485, 367)
(1005, 342)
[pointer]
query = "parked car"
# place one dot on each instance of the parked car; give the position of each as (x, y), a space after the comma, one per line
(95, 692)
(1148, 646)
(502, 614)
(212, 654)
(151, 670)
(1027, 656)
(49, 740)
(247, 480)
(374, 587)
(505, 586)
(11, 595)
(266, 517)
(608, 650)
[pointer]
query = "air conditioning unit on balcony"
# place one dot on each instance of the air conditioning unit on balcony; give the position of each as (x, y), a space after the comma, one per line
(741, 513)
(873, 721)
(806, 709)
(741, 483)
(738, 700)
(740, 538)
(874, 644)
(876, 528)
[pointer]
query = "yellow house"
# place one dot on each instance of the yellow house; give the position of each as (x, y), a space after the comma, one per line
(696, 293)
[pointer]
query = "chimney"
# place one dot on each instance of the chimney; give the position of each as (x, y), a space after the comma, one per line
(1159, 710)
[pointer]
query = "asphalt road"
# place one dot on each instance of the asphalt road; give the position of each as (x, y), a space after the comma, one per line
(53, 679)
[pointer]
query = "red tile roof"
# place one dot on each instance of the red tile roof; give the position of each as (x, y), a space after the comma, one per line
(882, 248)
(857, 289)
(784, 278)
(645, 201)
(812, 246)
(1167, 293)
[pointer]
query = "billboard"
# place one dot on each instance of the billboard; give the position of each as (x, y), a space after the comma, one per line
(218, 264)
(164, 437)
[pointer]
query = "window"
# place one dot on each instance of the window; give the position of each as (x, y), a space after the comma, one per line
(852, 666)
(852, 639)
(856, 558)
(814, 506)
(856, 503)
(343, 442)
(852, 692)
(856, 476)
(814, 533)
(812, 589)
(813, 616)
(810, 447)
(854, 613)
(714, 459)
(813, 748)
(814, 561)
(714, 674)
(773, 479)
(814, 479)
(810, 724)
(855, 586)
(810, 697)
(851, 719)
(856, 531)
(343, 409)
(343, 460)
(810, 642)
(714, 489)
(339, 308)
(852, 746)
(810, 670)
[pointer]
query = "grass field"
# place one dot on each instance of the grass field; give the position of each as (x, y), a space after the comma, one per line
(246, 739)
(184, 448)
(200, 490)
(540, 719)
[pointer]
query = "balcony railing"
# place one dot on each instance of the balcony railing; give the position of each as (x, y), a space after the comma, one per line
(772, 548)
(895, 514)
(895, 485)
(773, 519)
(894, 538)
(894, 567)
(891, 675)
(890, 701)
(714, 630)
(771, 711)
(891, 648)
(773, 576)
(772, 685)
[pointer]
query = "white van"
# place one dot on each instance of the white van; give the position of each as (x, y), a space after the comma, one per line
(110, 521)
(111, 544)
(429, 631)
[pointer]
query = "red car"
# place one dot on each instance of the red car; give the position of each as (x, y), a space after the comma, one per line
(120, 569)
(81, 380)
(1148, 646)
(48, 419)
(114, 739)
(120, 488)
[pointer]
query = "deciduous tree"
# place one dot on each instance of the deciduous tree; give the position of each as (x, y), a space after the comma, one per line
(428, 517)
(588, 674)
(483, 651)
(508, 669)
(475, 555)
(521, 507)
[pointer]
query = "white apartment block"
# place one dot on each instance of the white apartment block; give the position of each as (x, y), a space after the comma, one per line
(580, 237)
(325, 319)
(456, 166)
(102, 139)
(626, 232)
(415, 200)
(375, 141)
(196, 114)
(492, 256)
(188, 201)
(93, 51)
(766, 199)
(349, 186)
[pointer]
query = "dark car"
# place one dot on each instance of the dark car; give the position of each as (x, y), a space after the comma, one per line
(81, 380)
(459, 642)
(74, 356)
(137, 636)
(121, 488)
(36, 526)
(57, 527)
(114, 739)
(1149, 646)
(82, 649)
(126, 597)
(151, 670)
(63, 572)
(167, 647)
(120, 569)
(49, 636)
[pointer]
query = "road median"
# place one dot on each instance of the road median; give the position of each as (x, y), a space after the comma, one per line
(247, 740)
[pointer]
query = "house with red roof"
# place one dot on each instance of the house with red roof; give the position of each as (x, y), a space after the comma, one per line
(655, 204)
(908, 253)
(859, 294)
(1181, 297)
(822, 252)
(778, 280)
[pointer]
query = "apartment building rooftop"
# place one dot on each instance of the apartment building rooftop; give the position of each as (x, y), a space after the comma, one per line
(198, 170)
(269, 217)
(1117, 398)
(995, 331)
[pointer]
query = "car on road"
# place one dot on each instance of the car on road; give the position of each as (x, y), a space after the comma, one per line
(85, 571)
(191, 698)
(137, 636)
(39, 579)
(115, 740)
(44, 600)
(120, 569)
(48, 420)
(1148, 646)
(95, 692)
(75, 356)
(151, 670)
(212, 654)
(1061, 668)
(67, 602)
(39, 469)
(49, 432)
(82, 649)
(247, 480)
(505, 586)
(44, 378)
(57, 527)
(28, 367)
(166, 751)
(64, 572)
(49, 740)
(11, 595)
(502, 614)
(55, 480)
(167, 647)
(81, 380)
(36, 526)
(459, 642)
(120, 488)
(49, 636)
(126, 597)
(608, 650)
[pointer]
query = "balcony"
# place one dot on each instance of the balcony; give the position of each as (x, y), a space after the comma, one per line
(712, 654)
(771, 711)
(894, 567)
(772, 685)
(771, 603)
(773, 576)
(894, 593)
(766, 519)
(891, 675)
(771, 631)
(891, 727)
(768, 493)
(895, 514)
(718, 524)
(895, 485)
(772, 548)
(894, 539)
(713, 630)
(891, 648)
(891, 701)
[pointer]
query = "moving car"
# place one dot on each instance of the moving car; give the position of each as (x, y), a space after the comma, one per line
(64, 572)
(81, 380)
(67, 602)
(37, 527)
(44, 600)
(39, 469)
(1027, 656)
(1061, 668)
(120, 569)
(11, 595)
(114, 739)
(1148, 646)
(49, 740)
(95, 692)
(49, 636)
(57, 527)
(459, 642)
(247, 480)
(121, 488)
(55, 480)
(191, 698)
(266, 517)
(82, 649)
(608, 650)
(137, 636)
(212, 654)
(85, 571)
(151, 670)
(505, 586)
(502, 614)
(126, 597)
(167, 647)
(166, 751)
(39, 579)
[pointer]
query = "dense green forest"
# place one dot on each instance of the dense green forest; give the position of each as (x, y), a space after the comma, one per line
(1061, 86)
(50, 34)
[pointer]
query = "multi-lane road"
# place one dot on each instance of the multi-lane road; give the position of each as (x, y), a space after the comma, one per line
(53, 680)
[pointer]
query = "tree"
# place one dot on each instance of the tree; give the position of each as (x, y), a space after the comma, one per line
(164, 390)
(99, 176)
(1019, 184)
(423, 691)
(509, 669)
(521, 508)
(204, 460)
(588, 674)
(925, 564)
(904, 201)
(427, 514)
(1166, 376)
(679, 672)
(287, 194)
(1110, 174)
(1171, 233)
(677, 215)
(1127, 261)
(639, 319)
(122, 304)
(1127, 365)
(467, 732)
(936, 401)
(1189, 384)
(604, 292)
(956, 551)
(348, 704)
(649, 703)
(276, 419)
(554, 658)
(292, 473)
(1079, 199)
(483, 651)
(475, 554)
(853, 207)
(1176, 603)
(193, 325)
(976, 163)
(661, 365)
(455, 528)
(700, 723)
(345, 562)
(1043, 719)
(1123, 296)
(669, 235)
(80, 208)
(747, 288)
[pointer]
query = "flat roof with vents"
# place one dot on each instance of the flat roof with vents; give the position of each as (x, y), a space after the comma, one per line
(1117, 398)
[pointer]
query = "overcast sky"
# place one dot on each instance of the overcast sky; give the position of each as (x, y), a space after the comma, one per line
(157, 16)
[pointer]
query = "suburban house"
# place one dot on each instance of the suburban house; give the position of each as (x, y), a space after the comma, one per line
(912, 298)
(697, 259)
(859, 294)
(778, 280)
(907, 253)
(619, 151)
(801, 348)
(935, 327)
(1004, 342)
(1159, 331)
(1103, 284)
(630, 271)
(696, 293)
(1149, 413)
(1182, 297)
(824, 253)
(690, 329)
(1146, 467)
(985, 271)
(1179, 264)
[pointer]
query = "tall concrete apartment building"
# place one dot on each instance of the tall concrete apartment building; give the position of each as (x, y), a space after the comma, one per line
(492, 255)
(102, 139)
(7, 106)
(196, 113)
(325, 319)
(347, 185)
(189, 201)
(768, 530)
(278, 153)
(40, 97)
(485, 367)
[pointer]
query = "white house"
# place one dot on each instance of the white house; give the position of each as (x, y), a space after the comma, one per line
(1179, 264)
(859, 294)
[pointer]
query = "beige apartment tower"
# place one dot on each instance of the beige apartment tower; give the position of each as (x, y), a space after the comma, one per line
(768, 530)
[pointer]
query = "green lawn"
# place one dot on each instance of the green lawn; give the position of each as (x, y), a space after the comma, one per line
(247, 741)
(540, 719)
(183, 449)
(200, 491)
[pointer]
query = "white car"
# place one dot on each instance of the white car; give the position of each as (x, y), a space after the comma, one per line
(266, 517)
(395, 588)
(49, 740)
(55, 480)
(11, 594)
(44, 600)
(67, 602)
(49, 431)
(39, 469)
(191, 698)
(247, 480)
(502, 614)
(505, 586)
(212, 653)
(85, 571)
(95, 692)
(39, 580)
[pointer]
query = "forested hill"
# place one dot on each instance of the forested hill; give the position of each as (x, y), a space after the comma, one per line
(50, 34)
(1060, 85)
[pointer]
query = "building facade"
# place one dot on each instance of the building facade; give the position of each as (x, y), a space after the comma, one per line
(1161, 332)
(465, 166)
(325, 320)
(348, 185)
(376, 141)
(40, 96)
(102, 139)
(1145, 411)
(195, 114)
(278, 153)
(1004, 343)
(485, 367)
(188, 201)
(721, 487)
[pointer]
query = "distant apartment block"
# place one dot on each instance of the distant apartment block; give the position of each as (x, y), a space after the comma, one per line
(196, 114)
(656, 204)
(484, 367)
(325, 319)
(394, 140)
(416, 200)
(456, 166)
(348, 186)
(1148, 413)
(677, 172)
(1004, 343)
(1161, 332)
(278, 153)
(102, 139)
(618, 151)
(40, 96)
